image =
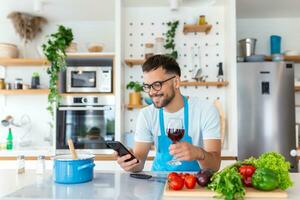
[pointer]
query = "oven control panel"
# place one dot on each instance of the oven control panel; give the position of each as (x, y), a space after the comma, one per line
(105, 78)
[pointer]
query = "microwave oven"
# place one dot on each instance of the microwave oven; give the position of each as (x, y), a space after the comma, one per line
(89, 79)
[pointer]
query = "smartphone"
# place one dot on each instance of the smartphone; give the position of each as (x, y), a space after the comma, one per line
(120, 149)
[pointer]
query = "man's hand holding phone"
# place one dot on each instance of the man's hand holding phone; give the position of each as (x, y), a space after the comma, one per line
(126, 163)
(124, 157)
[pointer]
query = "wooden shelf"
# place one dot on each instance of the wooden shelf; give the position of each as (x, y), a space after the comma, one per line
(297, 88)
(130, 107)
(286, 58)
(214, 84)
(87, 94)
(131, 62)
(189, 28)
(24, 92)
(91, 55)
(20, 62)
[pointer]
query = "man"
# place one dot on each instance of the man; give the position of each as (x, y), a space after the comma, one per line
(200, 146)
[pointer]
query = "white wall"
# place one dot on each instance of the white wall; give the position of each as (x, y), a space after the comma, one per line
(263, 28)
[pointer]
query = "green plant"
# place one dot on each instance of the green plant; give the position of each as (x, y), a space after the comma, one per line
(170, 44)
(136, 86)
(35, 74)
(54, 50)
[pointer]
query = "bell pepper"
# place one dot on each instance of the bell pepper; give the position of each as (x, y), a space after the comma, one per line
(265, 179)
(247, 171)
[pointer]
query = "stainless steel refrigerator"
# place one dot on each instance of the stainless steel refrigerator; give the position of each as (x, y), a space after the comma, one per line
(266, 109)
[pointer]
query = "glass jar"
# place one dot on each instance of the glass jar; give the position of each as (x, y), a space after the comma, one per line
(40, 167)
(159, 45)
(149, 50)
(202, 20)
(18, 83)
(21, 164)
(2, 84)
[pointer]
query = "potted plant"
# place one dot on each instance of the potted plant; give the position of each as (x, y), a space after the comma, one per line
(54, 50)
(35, 80)
(135, 98)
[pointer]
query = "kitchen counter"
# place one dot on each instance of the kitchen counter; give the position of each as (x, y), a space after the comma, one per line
(106, 185)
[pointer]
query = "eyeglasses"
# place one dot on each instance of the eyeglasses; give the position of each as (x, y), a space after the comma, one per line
(157, 85)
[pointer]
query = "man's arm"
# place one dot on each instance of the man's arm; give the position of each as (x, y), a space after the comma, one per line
(140, 151)
(209, 157)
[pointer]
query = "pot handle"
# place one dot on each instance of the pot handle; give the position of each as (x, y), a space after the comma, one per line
(90, 165)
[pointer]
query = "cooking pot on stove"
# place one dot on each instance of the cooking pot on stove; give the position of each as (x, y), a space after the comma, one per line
(69, 171)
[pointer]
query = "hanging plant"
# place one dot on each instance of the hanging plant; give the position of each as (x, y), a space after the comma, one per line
(27, 26)
(170, 43)
(54, 50)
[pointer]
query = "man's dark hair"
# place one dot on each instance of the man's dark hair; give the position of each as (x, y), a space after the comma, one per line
(165, 62)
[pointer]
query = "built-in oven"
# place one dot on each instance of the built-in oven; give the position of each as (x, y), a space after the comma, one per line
(89, 121)
(93, 75)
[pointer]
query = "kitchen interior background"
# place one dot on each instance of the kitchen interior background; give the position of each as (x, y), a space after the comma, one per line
(112, 22)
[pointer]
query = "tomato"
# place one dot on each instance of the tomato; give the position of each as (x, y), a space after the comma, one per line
(190, 181)
(247, 170)
(176, 183)
(172, 175)
(183, 175)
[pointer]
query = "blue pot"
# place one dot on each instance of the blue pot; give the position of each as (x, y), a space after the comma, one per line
(69, 171)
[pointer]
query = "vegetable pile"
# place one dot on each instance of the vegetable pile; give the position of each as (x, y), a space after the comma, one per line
(268, 172)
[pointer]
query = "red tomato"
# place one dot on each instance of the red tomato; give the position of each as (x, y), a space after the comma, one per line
(172, 175)
(247, 170)
(183, 175)
(176, 183)
(190, 181)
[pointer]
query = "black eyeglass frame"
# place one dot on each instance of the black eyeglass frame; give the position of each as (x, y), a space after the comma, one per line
(147, 87)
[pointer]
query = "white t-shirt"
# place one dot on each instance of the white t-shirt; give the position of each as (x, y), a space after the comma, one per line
(204, 122)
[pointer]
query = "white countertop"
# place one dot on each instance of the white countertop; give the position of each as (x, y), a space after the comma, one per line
(106, 185)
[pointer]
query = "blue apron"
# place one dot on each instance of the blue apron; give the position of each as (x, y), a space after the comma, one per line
(162, 146)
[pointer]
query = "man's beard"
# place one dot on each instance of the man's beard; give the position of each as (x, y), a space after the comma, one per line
(165, 101)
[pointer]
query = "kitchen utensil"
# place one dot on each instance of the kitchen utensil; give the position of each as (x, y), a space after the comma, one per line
(94, 47)
(8, 50)
(72, 149)
(148, 177)
(203, 192)
(218, 105)
(69, 171)
(220, 72)
(247, 47)
(255, 58)
(275, 41)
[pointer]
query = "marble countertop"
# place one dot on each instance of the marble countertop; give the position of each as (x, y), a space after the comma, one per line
(115, 185)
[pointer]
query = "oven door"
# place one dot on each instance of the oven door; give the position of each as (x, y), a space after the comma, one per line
(88, 127)
(83, 79)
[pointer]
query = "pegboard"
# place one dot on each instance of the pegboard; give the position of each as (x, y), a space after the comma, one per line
(144, 24)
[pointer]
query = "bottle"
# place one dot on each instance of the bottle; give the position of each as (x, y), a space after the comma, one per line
(21, 164)
(9, 140)
(19, 84)
(2, 84)
(40, 167)
(202, 20)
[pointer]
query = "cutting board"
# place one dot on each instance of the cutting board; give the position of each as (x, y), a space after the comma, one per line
(203, 192)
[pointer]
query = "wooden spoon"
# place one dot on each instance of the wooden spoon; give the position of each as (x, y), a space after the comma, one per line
(72, 149)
